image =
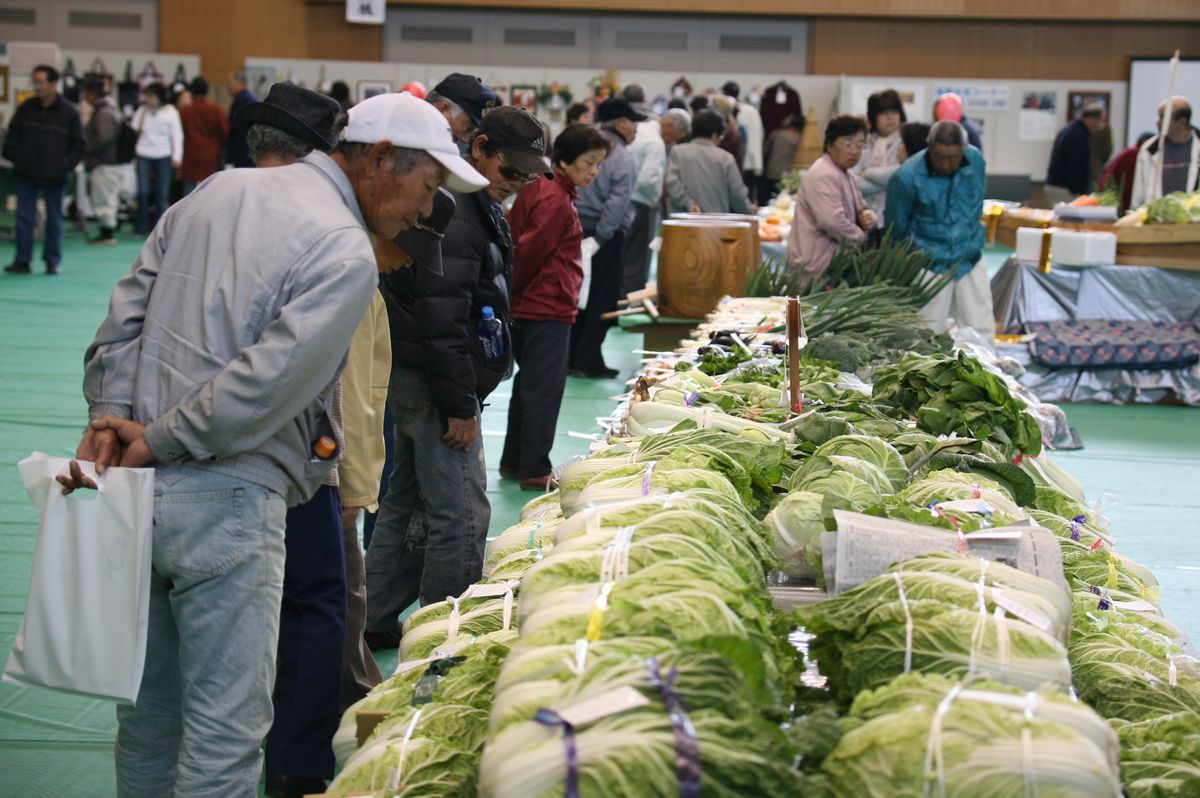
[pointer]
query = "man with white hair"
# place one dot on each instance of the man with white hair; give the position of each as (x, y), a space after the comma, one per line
(1180, 157)
(936, 198)
(216, 364)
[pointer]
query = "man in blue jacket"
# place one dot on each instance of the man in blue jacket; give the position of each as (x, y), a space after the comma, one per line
(936, 198)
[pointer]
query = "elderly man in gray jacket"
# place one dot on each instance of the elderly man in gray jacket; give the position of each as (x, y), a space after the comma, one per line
(606, 213)
(703, 178)
(215, 365)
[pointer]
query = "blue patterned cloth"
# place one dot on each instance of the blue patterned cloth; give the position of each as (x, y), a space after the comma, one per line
(1102, 343)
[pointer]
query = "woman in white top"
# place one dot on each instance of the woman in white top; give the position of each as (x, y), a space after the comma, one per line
(159, 153)
(884, 151)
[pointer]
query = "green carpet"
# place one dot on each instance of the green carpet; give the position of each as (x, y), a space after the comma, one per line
(52, 745)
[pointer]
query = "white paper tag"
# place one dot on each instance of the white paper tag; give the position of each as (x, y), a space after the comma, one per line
(1137, 605)
(968, 506)
(780, 96)
(995, 534)
(603, 705)
(413, 664)
(1020, 611)
(480, 590)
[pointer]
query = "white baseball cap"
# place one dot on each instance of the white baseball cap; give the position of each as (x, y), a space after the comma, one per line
(406, 121)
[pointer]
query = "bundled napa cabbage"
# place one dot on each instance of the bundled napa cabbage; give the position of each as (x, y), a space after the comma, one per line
(728, 512)
(703, 680)
(623, 483)
(947, 485)
(650, 542)
(651, 418)
(529, 539)
(923, 734)
(1160, 756)
(633, 753)
(434, 624)
(1128, 665)
(933, 622)
(466, 679)
(1087, 565)
(685, 601)
(545, 507)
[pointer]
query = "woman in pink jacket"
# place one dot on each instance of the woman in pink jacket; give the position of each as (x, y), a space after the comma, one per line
(829, 206)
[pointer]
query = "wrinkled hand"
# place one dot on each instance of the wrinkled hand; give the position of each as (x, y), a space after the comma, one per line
(460, 433)
(136, 452)
(101, 447)
(867, 219)
(350, 517)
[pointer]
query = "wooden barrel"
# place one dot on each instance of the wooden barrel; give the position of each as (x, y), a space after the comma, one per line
(756, 252)
(700, 262)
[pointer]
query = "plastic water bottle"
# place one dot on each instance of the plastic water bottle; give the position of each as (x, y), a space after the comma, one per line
(491, 333)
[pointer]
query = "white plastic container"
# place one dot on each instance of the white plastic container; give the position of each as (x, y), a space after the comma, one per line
(1068, 247)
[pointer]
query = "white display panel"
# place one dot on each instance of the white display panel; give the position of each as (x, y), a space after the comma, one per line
(1149, 79)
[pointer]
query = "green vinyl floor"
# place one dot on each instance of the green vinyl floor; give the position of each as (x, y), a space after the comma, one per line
(1147, 458)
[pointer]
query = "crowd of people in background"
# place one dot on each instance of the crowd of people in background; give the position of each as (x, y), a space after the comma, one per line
(429, 243)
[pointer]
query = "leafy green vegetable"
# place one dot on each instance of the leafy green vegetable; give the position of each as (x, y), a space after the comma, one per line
(920, 734)
(1160, 756)
(958, 395)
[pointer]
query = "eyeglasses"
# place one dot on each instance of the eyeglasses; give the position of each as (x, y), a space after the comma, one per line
(853, 145)
(508, 173)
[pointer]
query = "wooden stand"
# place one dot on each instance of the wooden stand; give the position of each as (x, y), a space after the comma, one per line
(701, 262)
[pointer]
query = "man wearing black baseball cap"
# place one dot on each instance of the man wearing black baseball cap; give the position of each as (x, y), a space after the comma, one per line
(441, 374)
(606, 212)
(464, 101)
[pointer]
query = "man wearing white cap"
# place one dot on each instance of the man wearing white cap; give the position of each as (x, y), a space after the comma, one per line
(215, 365)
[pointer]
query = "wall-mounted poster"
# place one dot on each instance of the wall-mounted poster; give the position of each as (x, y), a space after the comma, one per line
(3, 83)
(369, 88)
(1076, 100)
(525, 97)
(978, 97)
(260, 79)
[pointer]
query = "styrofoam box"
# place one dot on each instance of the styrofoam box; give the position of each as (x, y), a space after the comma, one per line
(1068, 247)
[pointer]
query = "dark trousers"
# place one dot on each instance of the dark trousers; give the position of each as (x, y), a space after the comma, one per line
(541, 349)
(359, 671)
(312, 634)
(637, 249)
(158, 169)
(27, 197)
(587, 336)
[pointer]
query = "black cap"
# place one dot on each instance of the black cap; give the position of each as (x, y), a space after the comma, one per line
(307, 115)
(619, 108)
(469, 94)
(423, 241)
(521, 137)
(731, 89)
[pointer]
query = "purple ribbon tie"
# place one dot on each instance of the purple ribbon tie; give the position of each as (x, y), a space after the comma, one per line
(687, 747)
(548, 717)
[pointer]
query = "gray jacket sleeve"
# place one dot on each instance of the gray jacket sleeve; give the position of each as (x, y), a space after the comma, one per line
(676, 191)
(298, 355)
(739, 198)
(616, 203)
(110, 364)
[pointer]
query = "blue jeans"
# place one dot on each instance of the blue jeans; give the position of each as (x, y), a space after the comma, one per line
(160, 169)
(27, 197)
(439, 555)
(205, 699)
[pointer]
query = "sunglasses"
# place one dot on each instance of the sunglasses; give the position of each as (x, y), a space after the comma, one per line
(508, 173)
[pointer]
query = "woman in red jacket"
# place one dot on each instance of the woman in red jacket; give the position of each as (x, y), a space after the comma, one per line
(547, 275)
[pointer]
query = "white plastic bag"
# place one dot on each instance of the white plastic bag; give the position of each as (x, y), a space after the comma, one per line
(588, 249)
(85, 620)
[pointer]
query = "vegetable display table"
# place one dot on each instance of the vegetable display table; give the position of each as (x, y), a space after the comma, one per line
(1021, 293)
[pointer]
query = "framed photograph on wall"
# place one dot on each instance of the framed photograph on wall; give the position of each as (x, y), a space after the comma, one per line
(1076, 100)
(525, 97)
(369, 88)
(260, 78)
(3, 83)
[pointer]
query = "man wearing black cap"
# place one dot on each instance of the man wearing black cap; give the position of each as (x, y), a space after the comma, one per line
(606, 212)
(441, 375)
(464, 101)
